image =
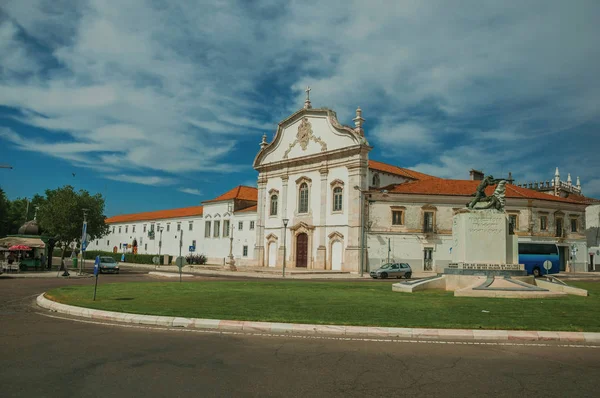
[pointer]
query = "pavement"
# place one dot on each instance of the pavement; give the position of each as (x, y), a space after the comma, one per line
(48, 354)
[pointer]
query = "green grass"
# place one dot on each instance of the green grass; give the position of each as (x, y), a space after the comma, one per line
(367, 303)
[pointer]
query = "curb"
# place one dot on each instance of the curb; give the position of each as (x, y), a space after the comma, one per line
(329, 330)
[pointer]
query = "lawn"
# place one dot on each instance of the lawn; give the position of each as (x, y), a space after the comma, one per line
(341, 303)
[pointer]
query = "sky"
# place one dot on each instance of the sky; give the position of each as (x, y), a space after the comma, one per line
(160, 104)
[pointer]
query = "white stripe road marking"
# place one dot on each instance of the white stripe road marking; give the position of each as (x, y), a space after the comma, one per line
(314, 337)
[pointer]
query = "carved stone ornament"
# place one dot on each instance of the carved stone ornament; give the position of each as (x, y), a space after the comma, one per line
(304, 133)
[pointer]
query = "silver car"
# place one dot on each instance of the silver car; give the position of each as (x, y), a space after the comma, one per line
(108, 264)
(397, 270)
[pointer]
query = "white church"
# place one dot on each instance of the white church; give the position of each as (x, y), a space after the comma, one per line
(314, 178)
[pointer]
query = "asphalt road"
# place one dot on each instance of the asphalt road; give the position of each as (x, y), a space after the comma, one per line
(44, 355)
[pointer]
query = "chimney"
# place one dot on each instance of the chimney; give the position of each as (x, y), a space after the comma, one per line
(476, 175)
(510, 178)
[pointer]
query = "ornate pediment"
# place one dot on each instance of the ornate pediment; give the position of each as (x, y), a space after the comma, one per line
(335, 235)
(302, 226)
(271, 237)
(304, 135)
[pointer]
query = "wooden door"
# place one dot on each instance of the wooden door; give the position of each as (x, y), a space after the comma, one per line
(302, 250)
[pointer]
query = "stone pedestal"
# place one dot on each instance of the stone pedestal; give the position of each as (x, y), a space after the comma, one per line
(482, 245)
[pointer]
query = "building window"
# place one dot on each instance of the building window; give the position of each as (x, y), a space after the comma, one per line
(126, 228)
(191, 226)
(543, 223)
(337, 198)
(397, 217)
(107, 243)
(145, 247)
(133, 229)
(273, 211)
(559, 227)
(225, 228)
(151, 227)
(119, 229)
(207, 229)
(217, 229)
(97, 243)
(178, 226)
(514, 221)
(168, 226)
(194, 243)
(376, 181)
(240, 225)
(113, 229)
(251, 225)
(303, 198)
(245, 251)
(428, 221)
(573, 225)
(144, 228)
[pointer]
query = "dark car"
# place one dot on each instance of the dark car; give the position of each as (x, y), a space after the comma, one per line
(108, 264)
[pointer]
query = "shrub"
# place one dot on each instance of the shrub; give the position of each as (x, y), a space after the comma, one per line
(196, 259)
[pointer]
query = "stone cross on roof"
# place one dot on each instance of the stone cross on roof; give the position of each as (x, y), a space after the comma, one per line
(307, 104)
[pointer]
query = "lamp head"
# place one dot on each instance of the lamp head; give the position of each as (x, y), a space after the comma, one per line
(285, 222)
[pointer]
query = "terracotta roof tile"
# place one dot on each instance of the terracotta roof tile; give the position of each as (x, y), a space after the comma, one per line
(388, 168)
(583, 199)
(248, 209)
(241, 192)
(157, 215)
(440, 186)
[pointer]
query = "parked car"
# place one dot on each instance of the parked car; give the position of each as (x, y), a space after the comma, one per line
(108, 264)
(398, 270)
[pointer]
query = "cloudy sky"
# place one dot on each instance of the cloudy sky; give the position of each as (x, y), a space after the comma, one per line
(162, 103)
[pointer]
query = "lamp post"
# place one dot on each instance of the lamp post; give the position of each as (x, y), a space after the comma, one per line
(285, 223)
(83, 239)
(232, 266)
(160, 231)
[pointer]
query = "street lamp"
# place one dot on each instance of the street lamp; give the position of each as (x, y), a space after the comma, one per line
(231, 258)
(160, 230)
(285, 223)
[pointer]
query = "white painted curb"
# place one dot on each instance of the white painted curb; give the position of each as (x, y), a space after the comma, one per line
(330, 330)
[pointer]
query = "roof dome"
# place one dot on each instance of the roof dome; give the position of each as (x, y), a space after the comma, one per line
(30, 228)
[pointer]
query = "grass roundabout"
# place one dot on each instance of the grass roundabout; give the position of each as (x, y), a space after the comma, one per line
(338, 303)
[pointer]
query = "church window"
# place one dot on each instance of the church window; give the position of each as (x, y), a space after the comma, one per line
(245, 252)
(303, 198)
(559, 227)
(573, 225)
(376, 181)
(225, 228)
(217, 229)
(514, 220)
(207, 229)
(397, 217)
(240, 225)
(273, 211)
(337, 199)
(428, 221)
(543, 223)
(251, 225)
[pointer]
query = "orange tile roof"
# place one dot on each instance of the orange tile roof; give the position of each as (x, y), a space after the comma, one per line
(157, 215)
(583, 199)
(248, 209)
(388, 168)
(241, 192)
(439, 186)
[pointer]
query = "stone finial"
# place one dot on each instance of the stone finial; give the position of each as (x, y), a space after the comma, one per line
(307, 104)
(578, 183)
(569, 179)
(358, 121)
(263, 143)
(556, 173)
(547, 184)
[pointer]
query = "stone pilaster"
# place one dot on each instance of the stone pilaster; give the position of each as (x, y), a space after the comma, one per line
(259, 249)
(357, 176)
(284, 214)
(322, 248)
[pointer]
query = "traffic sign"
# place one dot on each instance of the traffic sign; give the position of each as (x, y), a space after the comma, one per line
(180, 262)
(192, 248)
(548, 265)
(155, 260)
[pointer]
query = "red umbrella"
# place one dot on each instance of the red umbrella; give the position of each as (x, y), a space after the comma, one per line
(19, 248)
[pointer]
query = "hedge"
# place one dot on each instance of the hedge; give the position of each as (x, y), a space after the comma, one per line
(129, 257)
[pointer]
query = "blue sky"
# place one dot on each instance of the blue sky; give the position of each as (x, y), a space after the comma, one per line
(161, 104)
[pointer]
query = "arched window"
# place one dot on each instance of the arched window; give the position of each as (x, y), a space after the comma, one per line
(273, 211)
(337, 199)
(303, 198)
(376, 181)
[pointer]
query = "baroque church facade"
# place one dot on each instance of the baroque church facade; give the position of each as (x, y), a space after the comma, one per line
(314, 178)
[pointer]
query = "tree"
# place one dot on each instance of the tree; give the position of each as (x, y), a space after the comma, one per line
(61, 215)
(4, 207)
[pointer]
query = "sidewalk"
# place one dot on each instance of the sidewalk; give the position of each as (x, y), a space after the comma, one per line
(45, 274)
(477, 335)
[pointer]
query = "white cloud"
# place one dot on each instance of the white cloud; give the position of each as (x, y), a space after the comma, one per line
(191, 191)
(142, 86)
(143, 180)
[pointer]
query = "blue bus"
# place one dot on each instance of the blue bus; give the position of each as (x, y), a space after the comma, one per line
(533, 256)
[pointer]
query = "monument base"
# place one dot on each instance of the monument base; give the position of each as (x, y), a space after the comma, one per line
(485, 269)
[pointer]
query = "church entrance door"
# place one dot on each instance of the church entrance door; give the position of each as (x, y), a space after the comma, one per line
(301, 250)
(272, 254)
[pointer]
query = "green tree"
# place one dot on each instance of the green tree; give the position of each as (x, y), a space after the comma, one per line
(61, 215)
(4, 208)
